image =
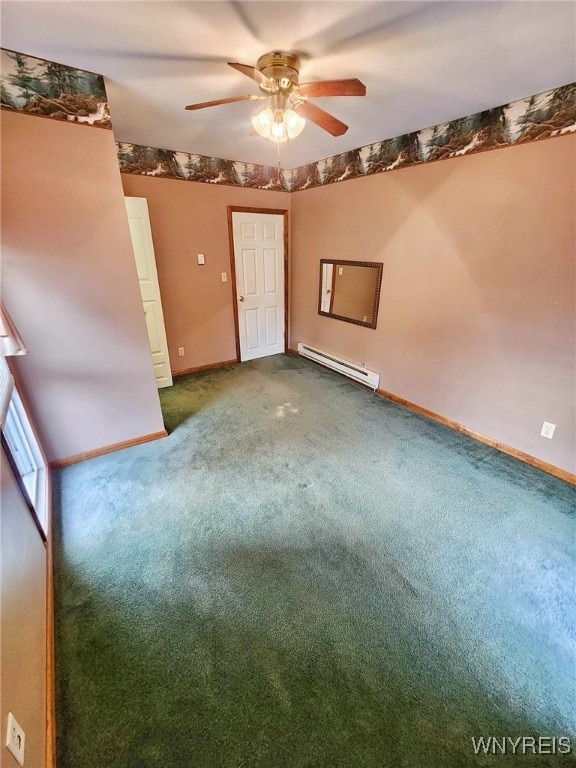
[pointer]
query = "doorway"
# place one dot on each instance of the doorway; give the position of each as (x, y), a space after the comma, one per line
(259, 269)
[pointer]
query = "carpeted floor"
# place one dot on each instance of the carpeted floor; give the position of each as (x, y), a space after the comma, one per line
(305, 575)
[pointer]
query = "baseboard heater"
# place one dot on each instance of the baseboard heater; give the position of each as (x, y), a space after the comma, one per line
(356, 372)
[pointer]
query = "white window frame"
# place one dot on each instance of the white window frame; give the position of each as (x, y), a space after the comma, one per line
(27, 460)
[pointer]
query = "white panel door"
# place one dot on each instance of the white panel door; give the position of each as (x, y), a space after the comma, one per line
(137, 209)
(259, 263)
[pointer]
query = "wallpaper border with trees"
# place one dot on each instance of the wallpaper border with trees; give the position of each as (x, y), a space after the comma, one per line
(47, 89)
(545, 115)
(187, 166)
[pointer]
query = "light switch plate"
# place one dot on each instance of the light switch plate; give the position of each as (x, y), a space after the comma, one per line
(201, 259)
(224, 277)
(15, 738)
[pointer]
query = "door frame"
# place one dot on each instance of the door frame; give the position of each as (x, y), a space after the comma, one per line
(243, 209)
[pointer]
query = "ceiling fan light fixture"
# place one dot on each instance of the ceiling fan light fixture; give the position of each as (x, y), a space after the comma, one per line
(278, 125)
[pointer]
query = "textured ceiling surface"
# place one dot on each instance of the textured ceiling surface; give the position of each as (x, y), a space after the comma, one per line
(422, 62)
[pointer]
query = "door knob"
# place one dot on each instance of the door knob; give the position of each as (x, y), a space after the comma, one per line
(240, 298)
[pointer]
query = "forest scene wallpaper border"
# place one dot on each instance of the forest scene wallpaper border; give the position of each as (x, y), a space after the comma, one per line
(545, 115)
(542, 116)
(46, 89)
(187, 166)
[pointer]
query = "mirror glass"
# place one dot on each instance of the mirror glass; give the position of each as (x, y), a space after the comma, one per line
(350, 290)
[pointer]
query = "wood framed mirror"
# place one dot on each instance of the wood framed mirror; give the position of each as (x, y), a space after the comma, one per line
(350, 291)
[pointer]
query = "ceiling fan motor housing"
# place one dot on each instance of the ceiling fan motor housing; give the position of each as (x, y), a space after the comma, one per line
(281, 67)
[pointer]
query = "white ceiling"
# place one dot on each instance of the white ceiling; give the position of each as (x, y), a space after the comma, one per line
(422, 62)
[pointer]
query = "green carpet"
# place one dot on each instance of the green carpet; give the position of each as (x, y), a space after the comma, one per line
(305, 575)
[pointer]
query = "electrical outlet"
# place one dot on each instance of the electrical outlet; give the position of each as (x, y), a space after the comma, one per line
(15, 738)
(201, 259)
(224, 277)
(180, 351)
(548, 430)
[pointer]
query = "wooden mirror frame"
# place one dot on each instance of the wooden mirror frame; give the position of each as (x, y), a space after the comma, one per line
(340, 262)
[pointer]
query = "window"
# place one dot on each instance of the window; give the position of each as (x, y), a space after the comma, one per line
(26, 460)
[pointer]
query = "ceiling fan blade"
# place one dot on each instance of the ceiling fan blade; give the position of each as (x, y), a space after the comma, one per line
(378, 24)
(223, 101)
(351, 87)
(254, 74)
(323, 119)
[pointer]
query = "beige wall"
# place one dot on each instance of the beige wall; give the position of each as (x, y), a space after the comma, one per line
(188, 218)
(70, 284)
(23, 622)
(476, 317)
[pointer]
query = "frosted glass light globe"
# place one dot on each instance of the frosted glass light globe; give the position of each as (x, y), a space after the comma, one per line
(294, 123)
(278, 132)
(263, 121)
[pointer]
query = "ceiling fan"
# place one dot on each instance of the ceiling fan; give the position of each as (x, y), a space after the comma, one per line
(277, 76)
